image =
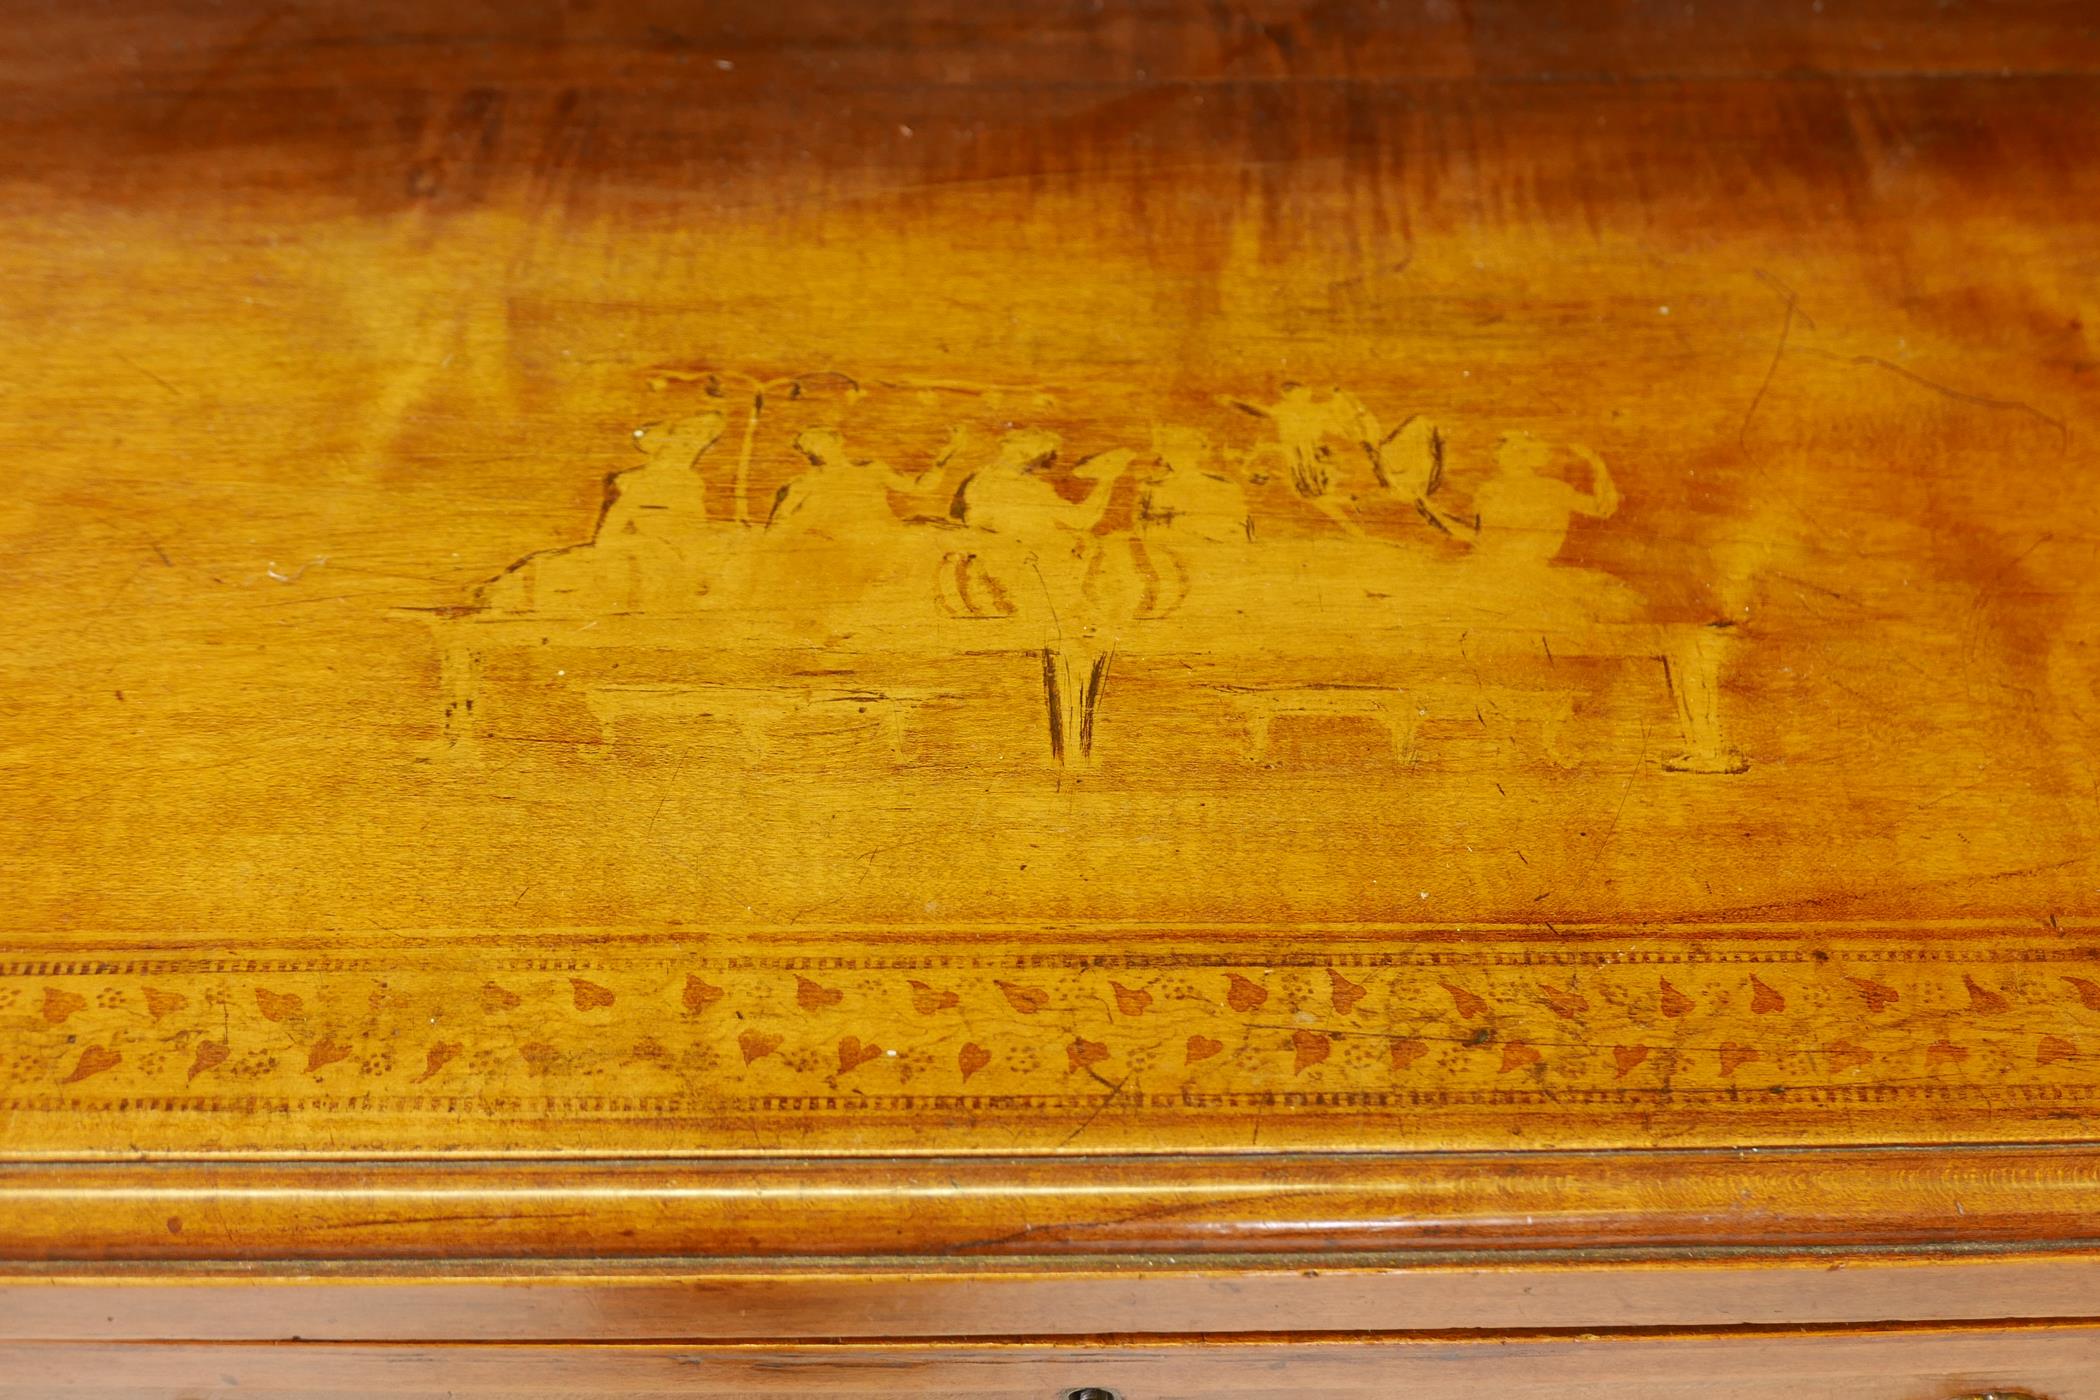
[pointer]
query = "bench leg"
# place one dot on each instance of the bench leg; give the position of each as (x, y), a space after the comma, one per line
(1692, 666)
(1400, 723)
(459, 678)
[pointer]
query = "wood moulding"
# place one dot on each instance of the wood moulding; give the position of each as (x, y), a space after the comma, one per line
(1332, 1208)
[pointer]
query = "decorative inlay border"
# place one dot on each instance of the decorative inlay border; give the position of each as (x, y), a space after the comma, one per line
(709, 1046)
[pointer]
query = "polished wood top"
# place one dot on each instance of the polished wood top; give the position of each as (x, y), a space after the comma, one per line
(767, 584)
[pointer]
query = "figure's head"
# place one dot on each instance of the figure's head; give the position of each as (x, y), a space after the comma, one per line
(1519, 453)
(687, 437)
(823, 447)
(1027, 449)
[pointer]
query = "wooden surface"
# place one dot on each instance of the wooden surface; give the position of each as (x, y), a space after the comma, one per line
(1150, 632)
(2059, 1361)
(1265, 1207)
(609, 1301)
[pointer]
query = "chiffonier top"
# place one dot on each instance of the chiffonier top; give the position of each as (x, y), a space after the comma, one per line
(798, 584)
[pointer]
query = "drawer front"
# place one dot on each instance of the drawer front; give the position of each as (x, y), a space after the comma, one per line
(2054, 1361)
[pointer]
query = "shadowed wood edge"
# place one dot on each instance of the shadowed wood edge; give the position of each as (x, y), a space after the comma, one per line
(1334, 1207)
(2049, 1359)
(642, 1302)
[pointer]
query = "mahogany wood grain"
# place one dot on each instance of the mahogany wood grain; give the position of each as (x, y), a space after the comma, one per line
(1053, 671)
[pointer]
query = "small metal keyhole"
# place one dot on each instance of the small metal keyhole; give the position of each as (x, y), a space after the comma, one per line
(1091, 1392)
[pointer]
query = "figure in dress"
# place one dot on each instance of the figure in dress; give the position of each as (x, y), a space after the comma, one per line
(1190, 499)
(836, 495)
(1408, 463)
(653, 550)
(1522, 514)
(835, 559)
(1308, 427)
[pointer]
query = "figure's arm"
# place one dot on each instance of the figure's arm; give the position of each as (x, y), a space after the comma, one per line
(1604, 496)
(683, 445)
(1410, 459)
(1359, 424)
(1464, 527)
(786, 501)
(959, 505)
(1103, 470)
(905, 484)
(712, 426)
(925, 483)
(928, 481)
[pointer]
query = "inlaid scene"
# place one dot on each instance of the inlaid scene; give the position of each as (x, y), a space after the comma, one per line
(861, 596)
